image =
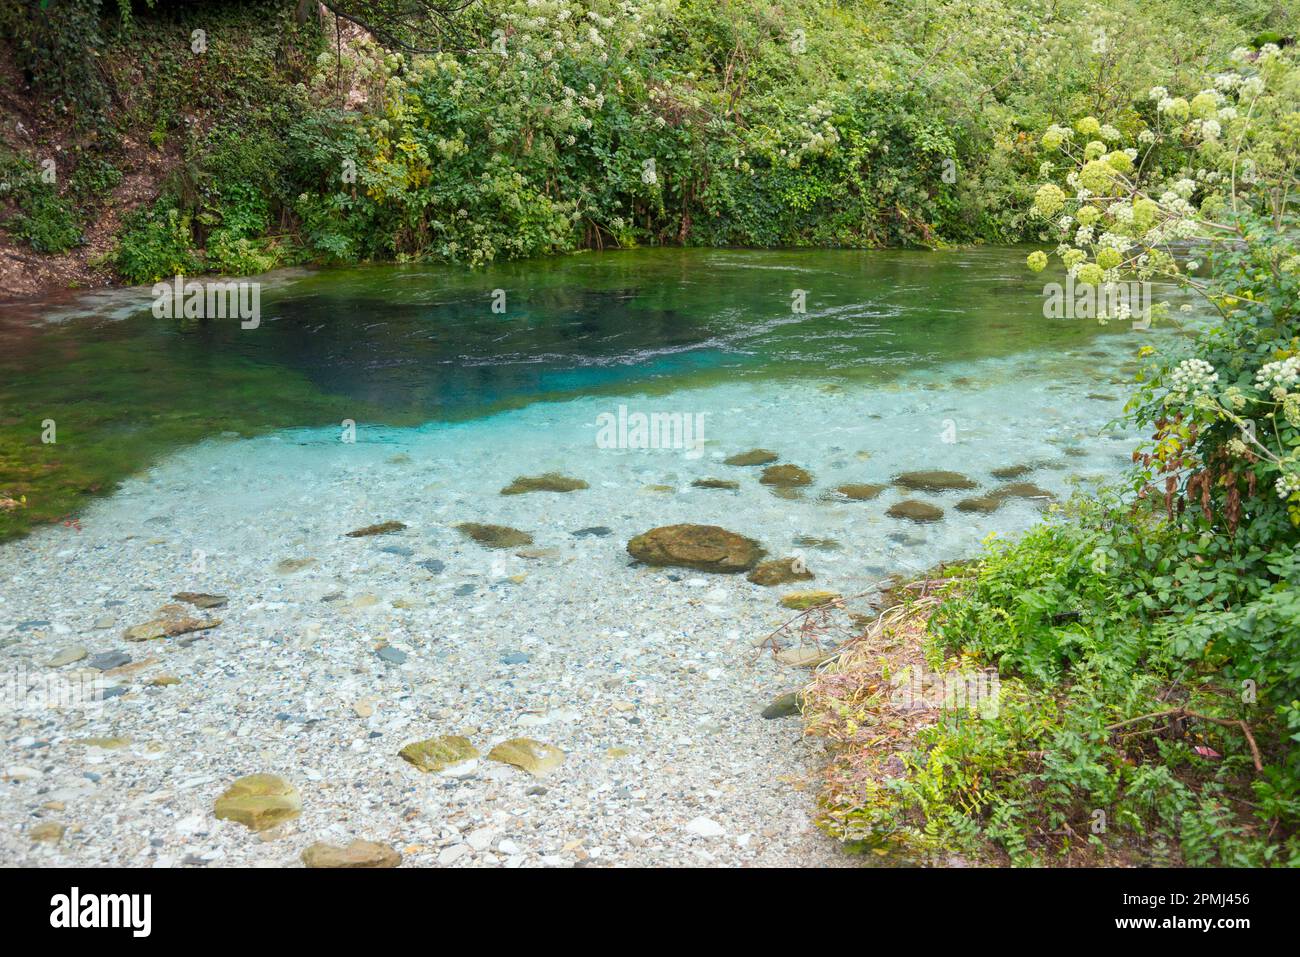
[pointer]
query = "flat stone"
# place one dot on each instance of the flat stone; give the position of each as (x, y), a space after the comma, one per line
(802, 657)
(169, 627)
(786, 476)
(66, 657)
(980, 504)
(933, 481)
(532, 756)
(394, 656)
(163, 681)
(356, 854)
(716, 483)
(289, 566)
(200, 599)
(802, 600)
(382, 528)
(859, 492)
(703, 547)
(752, 457)
(48, 833)
(593, 531)
(537, 554)
(915, 511)
(1021, 490)
(432, 565)
(780, 571)
(494, 536)
(550, 482)
(436, 754)
(786, 706)
(1012, 471)
(106, 660)
(108, 744)
(259, 802)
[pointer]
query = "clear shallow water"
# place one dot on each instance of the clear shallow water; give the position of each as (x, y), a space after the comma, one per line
(224, 445)
(894, 350)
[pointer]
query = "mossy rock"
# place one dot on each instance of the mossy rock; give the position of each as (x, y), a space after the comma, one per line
(786, 476)
(803, 600)
(860, 492)
(980, 504)
(780, 571)
(915, 511)
(383, 528)
(1008, 472)
(1021, 490)
(435, 754)
(550, 482)
(532, 756)
(724, 484)
(259, 802)
(933, 481)
(752, 457)
(786, 706)
(707, 548)
(494, 536)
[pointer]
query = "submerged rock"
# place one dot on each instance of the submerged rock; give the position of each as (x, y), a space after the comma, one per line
(200, 599)
(859, 492)
(933, 481)
(435, 754)
(786, 476)
(915, 511)
(288, 566)
(550, 482)
(66, 657)
(786, 706)
(1012, 471)
(494, 536)
(356, 854)
(532, 756)
(593, 531)
(705, 547)
(806, 656)
(48, 833)
(809, 541)
(383, 528)
(780, 571)
(1020, 490)
(752, 457)
(803, 600)
(169, 627)
(725, 484)
(982, 504)
(259, 801)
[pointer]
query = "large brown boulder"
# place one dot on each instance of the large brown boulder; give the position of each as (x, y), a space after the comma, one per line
(704, 547)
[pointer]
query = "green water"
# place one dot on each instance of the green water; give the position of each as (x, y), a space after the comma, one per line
(408, 345)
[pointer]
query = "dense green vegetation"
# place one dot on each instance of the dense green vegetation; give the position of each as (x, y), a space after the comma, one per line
(565, 125)
(1150, 642)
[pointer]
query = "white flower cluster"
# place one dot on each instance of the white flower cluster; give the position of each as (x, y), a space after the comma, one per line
(1193, 376)
(1286, 485)
(1279, 375)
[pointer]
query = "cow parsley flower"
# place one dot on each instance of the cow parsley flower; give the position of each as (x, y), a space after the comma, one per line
(1192, 377)
(1282, 374)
